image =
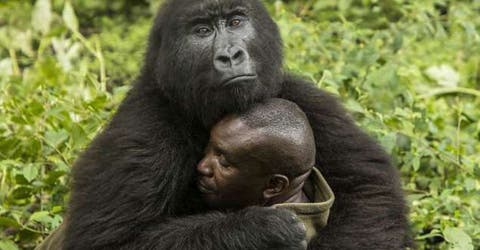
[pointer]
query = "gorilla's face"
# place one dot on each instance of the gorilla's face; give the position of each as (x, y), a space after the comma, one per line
(214, 57)
(222, 41)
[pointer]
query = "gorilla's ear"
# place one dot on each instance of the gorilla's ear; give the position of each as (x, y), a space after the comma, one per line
(275, 186)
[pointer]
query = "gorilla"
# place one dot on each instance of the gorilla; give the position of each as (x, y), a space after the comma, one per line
(134, 186)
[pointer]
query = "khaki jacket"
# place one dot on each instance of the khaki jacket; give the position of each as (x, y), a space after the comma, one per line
(314, 215)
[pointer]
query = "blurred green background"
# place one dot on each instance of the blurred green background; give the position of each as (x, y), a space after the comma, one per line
(408, 70)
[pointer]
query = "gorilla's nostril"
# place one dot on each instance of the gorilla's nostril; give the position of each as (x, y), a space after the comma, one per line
(224, 59)
(222, 62)
(237, 55)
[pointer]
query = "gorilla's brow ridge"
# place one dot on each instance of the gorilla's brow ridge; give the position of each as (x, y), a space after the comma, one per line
(210, 12)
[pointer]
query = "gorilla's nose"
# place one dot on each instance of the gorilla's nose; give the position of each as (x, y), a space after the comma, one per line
(230, 58)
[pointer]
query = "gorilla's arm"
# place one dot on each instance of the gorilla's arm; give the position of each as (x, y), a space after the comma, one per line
(133, 187)
(369, 210)
(250, 229)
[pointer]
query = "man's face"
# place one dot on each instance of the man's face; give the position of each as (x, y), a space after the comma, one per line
(231, 175)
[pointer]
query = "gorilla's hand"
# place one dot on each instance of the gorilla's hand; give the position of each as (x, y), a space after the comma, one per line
(274, 228)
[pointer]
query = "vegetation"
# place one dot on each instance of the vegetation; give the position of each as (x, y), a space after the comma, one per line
(409, 72)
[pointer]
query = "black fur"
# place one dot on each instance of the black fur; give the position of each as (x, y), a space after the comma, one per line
(133, 188)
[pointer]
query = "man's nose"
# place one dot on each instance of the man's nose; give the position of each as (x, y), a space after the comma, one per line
(204, 168)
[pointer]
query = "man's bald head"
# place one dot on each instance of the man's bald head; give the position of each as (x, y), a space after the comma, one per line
(290, 144)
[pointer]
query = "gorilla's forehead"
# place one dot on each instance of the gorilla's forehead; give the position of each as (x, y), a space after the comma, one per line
(211, 8)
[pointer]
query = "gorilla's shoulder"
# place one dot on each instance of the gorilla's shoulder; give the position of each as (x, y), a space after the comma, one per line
(295, 88)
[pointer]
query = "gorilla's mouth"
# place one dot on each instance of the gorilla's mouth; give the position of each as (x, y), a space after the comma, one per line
(239, 79)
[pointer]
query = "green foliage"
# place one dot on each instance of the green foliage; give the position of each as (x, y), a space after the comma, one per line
(409, 72)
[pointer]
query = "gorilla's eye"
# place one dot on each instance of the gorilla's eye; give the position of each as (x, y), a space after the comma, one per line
(235, 22)
(202, 31)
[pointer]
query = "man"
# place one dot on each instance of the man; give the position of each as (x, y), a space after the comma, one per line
(265, 157)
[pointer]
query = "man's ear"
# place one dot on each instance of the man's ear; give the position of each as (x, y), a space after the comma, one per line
(276, 185)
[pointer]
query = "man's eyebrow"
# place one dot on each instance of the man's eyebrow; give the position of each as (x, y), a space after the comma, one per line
(214, 145)
(219, 149)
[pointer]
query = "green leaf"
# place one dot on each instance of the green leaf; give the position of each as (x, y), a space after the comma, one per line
(416, 163)
(8, 222)
(42, 217)
(30, 171)
(69, 17)
(470, 184)
(397, 42)
(414, 197)
(21, 192)
(343, 5)
(55, 138)
(57, 209)
(389, 141)
(354, 106)
(458, 238)
(6, 67)
(8, 245)
(42, 16)
(444, 75)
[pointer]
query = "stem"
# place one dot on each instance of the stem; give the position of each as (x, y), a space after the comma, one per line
(97, 52)
(451, 90)
(13, 57)
(103, 75)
